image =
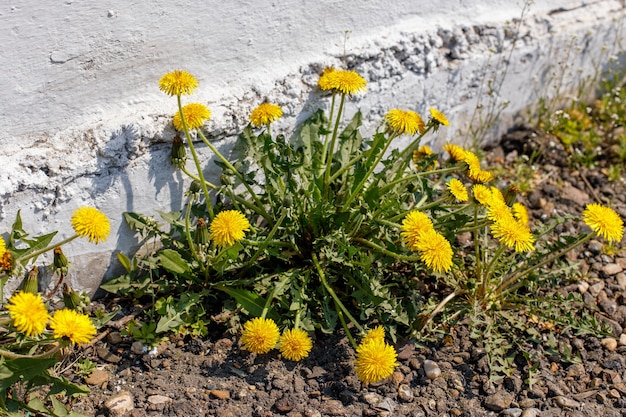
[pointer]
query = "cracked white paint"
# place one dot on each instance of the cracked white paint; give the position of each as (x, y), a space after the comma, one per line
(83, 122)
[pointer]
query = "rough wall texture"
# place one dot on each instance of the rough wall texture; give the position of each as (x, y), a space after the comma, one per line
(83, 122)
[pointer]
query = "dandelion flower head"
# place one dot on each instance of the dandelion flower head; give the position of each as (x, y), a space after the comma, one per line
(604, 221)
(295, 344)
(520, 212)
(455, 151)
(228, 227)
(195, 116)
(260, 335)
(404, 122)
(343, 81)
(178, 83)
(439, 117)
(414, 224)
(91, 223)
(435, 251)
(375, 361)
(3, 247)
(458, 190)
(265, 114)
(377, 333)
(513, 234)
(73, 326)
(28, 312)
(482, 194)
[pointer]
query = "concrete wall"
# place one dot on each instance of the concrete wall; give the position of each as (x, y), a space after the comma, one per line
(83, 121)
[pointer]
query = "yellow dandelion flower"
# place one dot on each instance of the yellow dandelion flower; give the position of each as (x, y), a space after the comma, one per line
(497, 209)
(458, 190)
(497, 195)
(401, 122)
(28, 312)
(178, 83)
(471, 160)
(260, 335)
(228, 227)
(295, 344)
(512, 234)
(482, 194)
(265, 114)
(520, 212)
(455, 151)
(3, 247)
(195, 116)
(375, 361)
(324, 83)
(73, 326)
(439, 117)
(377, 333)
(480, 176)
(343, 81)
(414, 224)
(604, 221)
(435, 251)
(425, 150)
(91, 223)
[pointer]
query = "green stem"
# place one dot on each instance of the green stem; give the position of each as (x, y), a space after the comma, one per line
(230, 166)
(488, 271)
(11, 355)
(345, 328)
(196, 161)
(505, 286)
(386, 251)
(408, 151)
(329, 155)
(437, 310)
(266, 242)
(332, 293)
(44, 250)
(417, 175)
(192, 246)
(330, 120)
(357, 190)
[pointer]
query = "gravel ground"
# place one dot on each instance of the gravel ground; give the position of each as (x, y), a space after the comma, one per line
(447, 377)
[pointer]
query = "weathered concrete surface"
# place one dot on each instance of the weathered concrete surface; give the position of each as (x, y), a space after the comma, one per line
(83, 122)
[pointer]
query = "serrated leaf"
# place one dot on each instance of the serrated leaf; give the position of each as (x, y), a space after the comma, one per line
(171, 321)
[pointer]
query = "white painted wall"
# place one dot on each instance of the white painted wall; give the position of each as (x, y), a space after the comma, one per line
(83, 121)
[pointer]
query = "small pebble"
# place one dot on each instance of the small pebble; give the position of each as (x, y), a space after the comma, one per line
(97, 377)
(120, 404)
(613, 393)
(531, 412)
(138, 348)
(609, 343)
(512, 412)
(405, 393)
(107, 355)
(565, 402)
(159, 399)
(431, 369)
(114, 338)
(612, 269)
(583, 286)
(220, 394)
(372, 398)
